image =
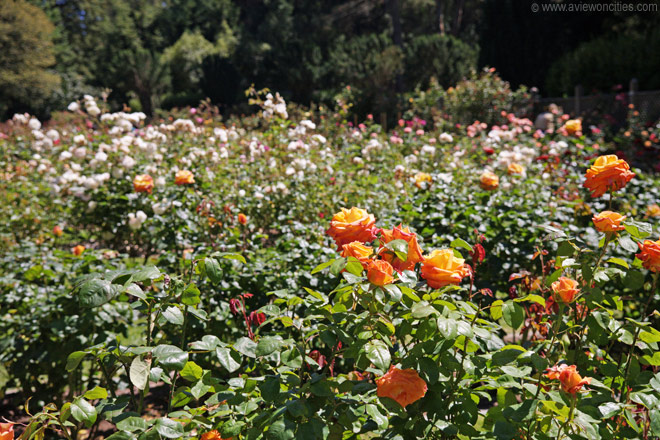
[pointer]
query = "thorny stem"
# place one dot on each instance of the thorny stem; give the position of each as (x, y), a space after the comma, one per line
(570, 417)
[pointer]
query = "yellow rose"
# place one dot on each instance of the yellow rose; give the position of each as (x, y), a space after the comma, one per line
(489, 181)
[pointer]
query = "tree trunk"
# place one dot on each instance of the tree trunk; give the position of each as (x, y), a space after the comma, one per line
(458, 17)
(440, 16)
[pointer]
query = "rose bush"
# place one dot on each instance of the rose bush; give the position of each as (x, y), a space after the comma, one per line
(174, 280)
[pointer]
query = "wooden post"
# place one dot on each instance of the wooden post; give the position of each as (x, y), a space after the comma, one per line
(578, 96)
(632, 92)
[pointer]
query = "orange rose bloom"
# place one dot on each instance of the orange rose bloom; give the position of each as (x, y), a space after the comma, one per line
(404, 386)
(357, 250)
(571, 381)
(78, 250)
(414, 251)
(489, 181)
(650, 255)
(143, 183)
(379, 272)
(441, 268)
(57, 231)
(653, 211)
(515, 168)
(6, 431)
(608, 221)
(421, 179)
(608, 173)
(573, 126)
(212, 435)
(565, 290)
(184, 177)
(242, 218)
(352, 225)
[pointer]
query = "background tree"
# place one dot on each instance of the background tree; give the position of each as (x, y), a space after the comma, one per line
(26, 54)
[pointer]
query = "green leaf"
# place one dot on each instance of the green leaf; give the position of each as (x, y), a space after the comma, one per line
(379, 418)
(213, 270)
(191, 372)
(628, 244)
(190, 296)
(513, 314)
(322, 266)
(337, 266)
(610, 409)
(132, 424)
(618, 261)
(169, 428)
(532, 298)
(268, 345)
(96, 393)
(448, 327)
(557, 408)
(136, 291)
(246, 347)
(639, 230)
(146, 273)
(170, 356)
(96, 292)
(227, 359)
(173, 315)
(496, 309)
(74, 360)
(354, 266)
(460, 243)
(270, 388)
(422, 310)
(139, 372)
(378, 353)
(83, 411)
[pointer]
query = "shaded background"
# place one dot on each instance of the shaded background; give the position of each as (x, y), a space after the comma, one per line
(154, 54)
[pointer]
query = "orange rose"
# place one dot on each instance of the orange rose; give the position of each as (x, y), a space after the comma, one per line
(57, 231)
(242, 218)
(6, 431)
(565, 290)
(650, 255)
(212, 435)
(143, 183)
(571, 381)
(352, 225)
(489, 181)
(184, 177)
(573, 126)
(422, 179)
(515, 168)
(441, 268)
(379, 272)
(404, 386)
(653, 211)
(78, 250)
(608, 173)
(414, 251)
(357, 250)
(608, 221)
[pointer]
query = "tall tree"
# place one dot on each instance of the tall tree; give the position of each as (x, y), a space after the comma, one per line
(26, 54)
